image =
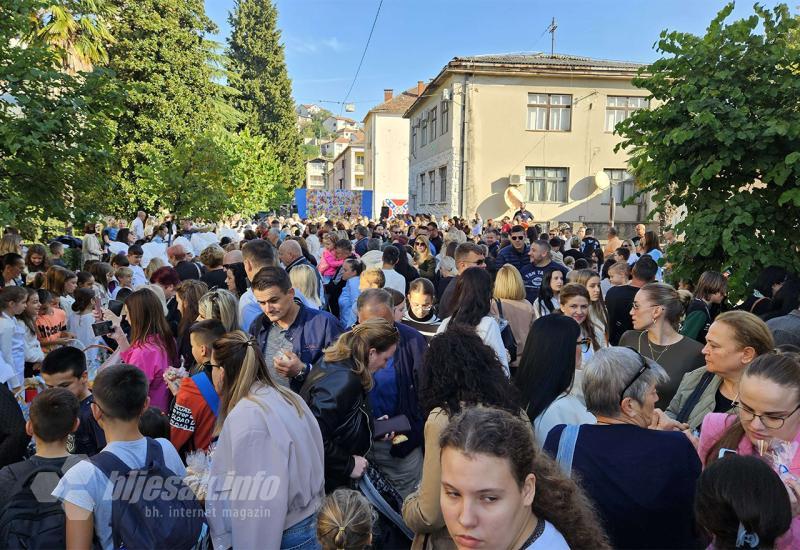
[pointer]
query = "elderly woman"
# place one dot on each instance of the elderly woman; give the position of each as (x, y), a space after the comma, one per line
(642, 481)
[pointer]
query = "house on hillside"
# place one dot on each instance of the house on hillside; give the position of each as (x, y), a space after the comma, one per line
(540, 124)
(386, 135)
(335, 124)
(333, 148)
(308, 110)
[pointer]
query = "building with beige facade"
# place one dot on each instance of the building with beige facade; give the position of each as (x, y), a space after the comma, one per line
(386, 134)
(541, 124)
(316, 173)
(347, 171)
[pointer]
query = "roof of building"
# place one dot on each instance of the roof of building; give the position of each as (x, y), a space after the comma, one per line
(398, 104)
(536, 63)
(344, 118)
(317, 159)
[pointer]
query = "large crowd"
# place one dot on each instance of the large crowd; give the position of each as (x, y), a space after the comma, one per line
(411, 382)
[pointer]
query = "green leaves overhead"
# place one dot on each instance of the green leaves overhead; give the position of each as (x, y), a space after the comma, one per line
(722, 143)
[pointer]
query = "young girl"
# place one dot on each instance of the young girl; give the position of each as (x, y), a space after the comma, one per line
(62, 283)
(574, 302)
(591, 280)
(33, 349)
(547, 300)
(36, 259)
(703, 309)
(80, 322)
(85, 279)
(345, 521)
(329, 264)
(51, 322)
(13, 301)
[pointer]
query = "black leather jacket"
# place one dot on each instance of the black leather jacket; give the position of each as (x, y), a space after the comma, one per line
(339, 403)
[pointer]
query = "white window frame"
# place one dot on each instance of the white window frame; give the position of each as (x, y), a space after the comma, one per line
(553, 187)
(621, 107)
(622, 186)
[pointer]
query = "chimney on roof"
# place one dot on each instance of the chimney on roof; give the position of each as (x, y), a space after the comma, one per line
(420, 87)
(387, 94)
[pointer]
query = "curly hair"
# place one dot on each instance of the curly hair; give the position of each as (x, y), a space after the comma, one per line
(460, 370)
(558, 499)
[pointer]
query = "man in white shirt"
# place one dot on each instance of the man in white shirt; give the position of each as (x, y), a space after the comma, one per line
(137, 225)
(393, 279)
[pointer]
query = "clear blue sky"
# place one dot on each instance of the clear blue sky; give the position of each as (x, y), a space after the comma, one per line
(414, 39)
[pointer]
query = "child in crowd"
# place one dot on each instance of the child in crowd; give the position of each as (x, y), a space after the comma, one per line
(329, 263)
(13, 301)
(53, 416)
(64, 283)
(618, 274)
(57, 254)
(124, 277)
(66, 368)
(196, 403)
(135, 254)
(85, 279)
(345, 521)
(154, 423)
(33, 349)
(51, 322)
(80, 322)
(120, 394)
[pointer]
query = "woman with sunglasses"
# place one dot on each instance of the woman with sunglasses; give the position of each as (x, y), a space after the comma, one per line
(642, 481)
(768, 411)
(424, 260)
(549, 376)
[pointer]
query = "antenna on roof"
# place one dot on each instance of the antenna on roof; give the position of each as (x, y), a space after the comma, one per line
(552, 30)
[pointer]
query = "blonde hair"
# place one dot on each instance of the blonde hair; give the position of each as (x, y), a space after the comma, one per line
(212, 256)
(372, 278)
(749, 330)
(378, 334)
(427, 254)
(508, 285)
(345, 521)
(221, 305)
(123, 272)
(244, 368)
(304, 278)
(11, 242)
(154, 264)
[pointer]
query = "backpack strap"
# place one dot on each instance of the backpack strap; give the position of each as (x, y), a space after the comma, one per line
(691, 403)
(25, 471)
(207, 391)
(566, 447)
(109, 463)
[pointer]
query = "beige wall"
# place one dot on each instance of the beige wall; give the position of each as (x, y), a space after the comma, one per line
(386, 157)
(499, 145)
(346, 172)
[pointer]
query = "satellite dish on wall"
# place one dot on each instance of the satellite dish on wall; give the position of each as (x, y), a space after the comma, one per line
(513, 197)
(601, 180)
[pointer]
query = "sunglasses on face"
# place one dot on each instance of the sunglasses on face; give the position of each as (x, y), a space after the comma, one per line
(517, 238)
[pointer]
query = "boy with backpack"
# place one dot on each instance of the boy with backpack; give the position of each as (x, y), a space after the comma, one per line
(137, 478)
(29, 516)
(196, 403)
(66, 368)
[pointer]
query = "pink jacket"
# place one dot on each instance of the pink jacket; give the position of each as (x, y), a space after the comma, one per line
(152, 358)
(714, 425)
(329, 264)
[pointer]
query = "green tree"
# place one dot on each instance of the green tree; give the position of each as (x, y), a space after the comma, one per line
(259, 74)
(56, 129)
(162, 59)
(722, 142)
(217, 174)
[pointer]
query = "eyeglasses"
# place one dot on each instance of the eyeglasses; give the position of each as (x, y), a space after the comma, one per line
(771, 422)
(637, 307)
(420, 244)
(421, 308)
(585, 343)
(644, 366)
(519, 238)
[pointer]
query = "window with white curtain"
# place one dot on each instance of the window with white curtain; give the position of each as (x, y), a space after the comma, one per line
(623, 185)
(618, 108)
(546, 184)
(550, 112)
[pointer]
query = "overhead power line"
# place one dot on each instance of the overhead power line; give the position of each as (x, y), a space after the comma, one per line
(363, 54)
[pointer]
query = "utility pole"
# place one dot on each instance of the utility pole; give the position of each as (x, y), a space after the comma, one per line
(552, 30)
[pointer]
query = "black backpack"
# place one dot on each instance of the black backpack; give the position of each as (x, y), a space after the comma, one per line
(156, 509)
(28, 522)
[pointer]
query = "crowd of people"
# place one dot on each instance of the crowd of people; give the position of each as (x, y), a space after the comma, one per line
(402, 383)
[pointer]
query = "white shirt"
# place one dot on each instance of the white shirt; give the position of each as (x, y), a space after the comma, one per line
(12, 350)
(139, 278)
(314, 247)
(489, 331)
(87, 487)
(137, 227)
(567, 409)
(550, 539)
(394, 280)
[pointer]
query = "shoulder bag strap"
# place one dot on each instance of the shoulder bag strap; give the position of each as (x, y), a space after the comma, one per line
(756, 303)
(691, 403)
(499, 307)
(566, 448)
(207, 391)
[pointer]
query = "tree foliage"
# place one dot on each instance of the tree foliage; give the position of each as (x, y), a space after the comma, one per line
(723, 142)
(216, 174)
(161, 58)
(55, 128)
(265, 92)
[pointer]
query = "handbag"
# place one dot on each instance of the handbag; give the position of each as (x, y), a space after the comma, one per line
(389, 531)
(509, 341)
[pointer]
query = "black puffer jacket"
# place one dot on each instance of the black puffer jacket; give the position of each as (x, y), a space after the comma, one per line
(338, 401)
